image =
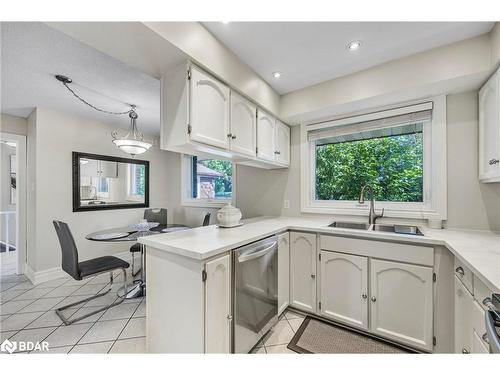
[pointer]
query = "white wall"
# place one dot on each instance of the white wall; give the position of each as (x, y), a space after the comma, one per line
(13, 125)
(458, 66)
(52, 137)
(471, 204)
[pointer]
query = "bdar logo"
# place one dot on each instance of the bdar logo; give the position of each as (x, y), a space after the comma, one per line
(8, 346)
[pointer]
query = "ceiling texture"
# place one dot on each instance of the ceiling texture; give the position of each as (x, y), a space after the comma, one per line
(32, 53)
(307, 53)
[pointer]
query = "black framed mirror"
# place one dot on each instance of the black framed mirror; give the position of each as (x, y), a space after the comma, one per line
(102, 182)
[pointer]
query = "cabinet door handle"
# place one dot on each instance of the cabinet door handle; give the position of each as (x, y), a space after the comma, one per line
(374, 299)
(277, 152)
(364, 296)
(493, 161)
(465, 351)
(313, 276)
(230, 135)
(460, 271)
(233, 136)
(229, 317)
(485, 338)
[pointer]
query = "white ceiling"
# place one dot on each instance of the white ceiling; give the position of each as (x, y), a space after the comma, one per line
(32, 53)
(311, 52)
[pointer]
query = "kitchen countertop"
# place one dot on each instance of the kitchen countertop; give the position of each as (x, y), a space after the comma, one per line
(479, 250)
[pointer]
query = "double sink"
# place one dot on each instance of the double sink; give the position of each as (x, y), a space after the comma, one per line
(398, 229)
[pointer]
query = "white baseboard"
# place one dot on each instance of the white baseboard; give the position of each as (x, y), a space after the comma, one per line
(39, 277)
(43, 276)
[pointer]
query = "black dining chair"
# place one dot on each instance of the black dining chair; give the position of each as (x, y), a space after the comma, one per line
(81, 270)
(152, 215)
(206, 219)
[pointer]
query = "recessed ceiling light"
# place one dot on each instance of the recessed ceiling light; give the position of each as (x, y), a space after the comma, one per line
(354, 45)
(277, 75)
(225, 22)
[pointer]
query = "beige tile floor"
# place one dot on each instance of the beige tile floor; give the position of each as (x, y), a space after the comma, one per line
(277, 339)
(27, 314)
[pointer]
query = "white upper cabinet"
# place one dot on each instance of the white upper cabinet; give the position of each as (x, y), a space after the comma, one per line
(243, 127)
(401, 302)
(218, 318)
(489, 131)
(266, 134)
(99, 168)
(303, 271)
(282, 143)
(283, 271)
(202, 116)
(209, 110)
(344, 288)
(108, 169)
(90, 168)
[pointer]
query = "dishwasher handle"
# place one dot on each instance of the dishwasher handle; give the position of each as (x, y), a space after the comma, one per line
(257, 254)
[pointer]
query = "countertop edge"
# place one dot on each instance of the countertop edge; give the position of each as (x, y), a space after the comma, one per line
(148, 241)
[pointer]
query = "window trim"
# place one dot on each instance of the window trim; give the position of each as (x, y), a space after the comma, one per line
(132, 197)
(435, 176)
(203, 202)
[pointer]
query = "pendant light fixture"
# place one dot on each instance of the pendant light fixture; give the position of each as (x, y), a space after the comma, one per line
(133, 142)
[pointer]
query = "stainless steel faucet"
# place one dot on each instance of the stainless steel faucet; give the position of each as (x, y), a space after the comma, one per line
(372, 216)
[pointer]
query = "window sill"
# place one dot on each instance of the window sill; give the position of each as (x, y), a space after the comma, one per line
(205, 203)
(393, 212)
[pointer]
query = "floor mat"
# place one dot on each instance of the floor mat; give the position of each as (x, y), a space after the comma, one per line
(317, 336)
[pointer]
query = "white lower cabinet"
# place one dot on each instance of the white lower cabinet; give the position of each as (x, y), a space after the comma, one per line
(303, 271)
(401, 299)
(283, 271)
(218, 305)
(464, 303)
(344, 288)
(478, 345)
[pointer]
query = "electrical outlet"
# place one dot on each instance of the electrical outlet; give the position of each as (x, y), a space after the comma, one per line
(286, 204)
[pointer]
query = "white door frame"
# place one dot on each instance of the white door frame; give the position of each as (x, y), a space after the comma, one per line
(21, 202)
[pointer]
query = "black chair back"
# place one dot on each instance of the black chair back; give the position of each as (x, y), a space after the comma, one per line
(206, 219)
(68, 250)
(156, 215)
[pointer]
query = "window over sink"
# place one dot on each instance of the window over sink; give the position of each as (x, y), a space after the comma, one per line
(206, 182)
(400, 152)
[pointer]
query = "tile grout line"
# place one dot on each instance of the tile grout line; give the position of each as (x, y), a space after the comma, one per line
(92, 325)
(128, 321)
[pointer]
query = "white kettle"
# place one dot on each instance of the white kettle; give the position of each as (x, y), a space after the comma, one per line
(229, 216)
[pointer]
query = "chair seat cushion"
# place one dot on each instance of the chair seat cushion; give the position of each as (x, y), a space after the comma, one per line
(101, 264)
(135, 248)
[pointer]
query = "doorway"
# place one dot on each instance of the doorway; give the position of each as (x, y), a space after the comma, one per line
(12, 204)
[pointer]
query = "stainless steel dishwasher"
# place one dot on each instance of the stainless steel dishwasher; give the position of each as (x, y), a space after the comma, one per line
(255, 292)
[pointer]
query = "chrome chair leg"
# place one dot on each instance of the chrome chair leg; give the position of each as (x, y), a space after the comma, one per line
(117, 302)
(134, 274)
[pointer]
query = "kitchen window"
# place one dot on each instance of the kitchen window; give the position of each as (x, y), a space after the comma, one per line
(206, 182)
(400, 152)
(136, 181)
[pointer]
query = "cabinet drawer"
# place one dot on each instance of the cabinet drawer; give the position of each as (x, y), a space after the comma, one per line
(481, 291)
(478, 321)
(464, 274)
(478, 345)
(379, 249)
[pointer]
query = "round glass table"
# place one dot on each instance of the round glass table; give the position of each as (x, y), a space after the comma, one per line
(130, 234)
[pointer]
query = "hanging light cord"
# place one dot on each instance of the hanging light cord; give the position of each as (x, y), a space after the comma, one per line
(65, 80)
